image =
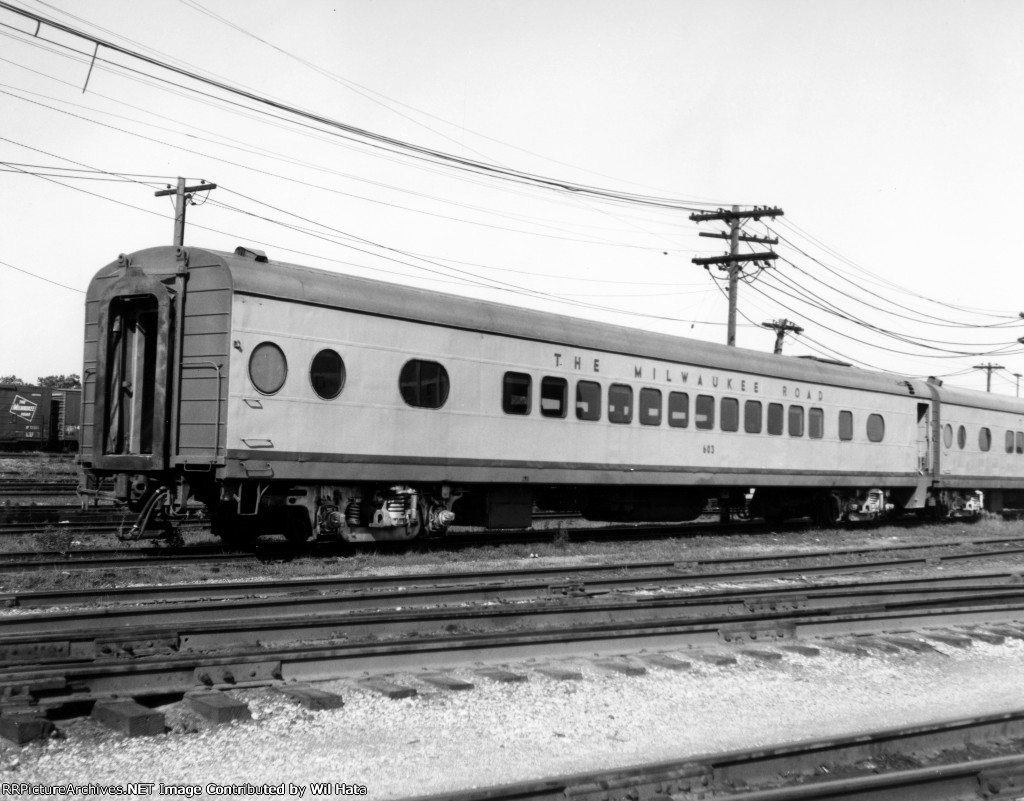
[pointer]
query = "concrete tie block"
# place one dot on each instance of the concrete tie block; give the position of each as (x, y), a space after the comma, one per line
(501, 675)
(445, 682)
(803, 650)
(217, 707)
(560, 673)
(665, 661)
(623, 666)
(714, 658)
(24, 728)
(313, 698)
(129, 718)
(950, 638)
(918, 646)
(761, 655)
(847, 648)
(388, 688)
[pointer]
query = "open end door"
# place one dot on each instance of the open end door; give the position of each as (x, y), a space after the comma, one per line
(131, 416)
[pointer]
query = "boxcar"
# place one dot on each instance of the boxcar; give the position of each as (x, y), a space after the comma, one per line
(39, 418)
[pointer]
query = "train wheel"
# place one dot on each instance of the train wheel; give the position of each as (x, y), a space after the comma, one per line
(297, 528)
(828, 511)
(226, 526)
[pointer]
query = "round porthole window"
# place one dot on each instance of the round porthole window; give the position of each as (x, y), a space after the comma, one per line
(327, 374)
(268, 368)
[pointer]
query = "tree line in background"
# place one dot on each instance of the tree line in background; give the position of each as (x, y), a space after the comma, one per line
(53, 381)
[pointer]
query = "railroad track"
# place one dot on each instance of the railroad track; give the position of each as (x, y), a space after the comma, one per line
(57, 659)
(976, 757)
(90, 559)
(210, 622)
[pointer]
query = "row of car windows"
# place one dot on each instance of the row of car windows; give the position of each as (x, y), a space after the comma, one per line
(422, 383)
(425, 384)
(651, 409)
(1014, 440)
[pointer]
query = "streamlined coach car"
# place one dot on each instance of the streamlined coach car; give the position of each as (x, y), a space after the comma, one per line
(298, 401)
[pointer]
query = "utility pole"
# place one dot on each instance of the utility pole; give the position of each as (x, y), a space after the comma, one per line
(988, 368)
(1017, 376)
(781, 327)
(733, 261)
(183, 196)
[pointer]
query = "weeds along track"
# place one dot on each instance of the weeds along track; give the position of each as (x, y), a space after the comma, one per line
(58, 659)
(567, 579)
(834, 559)
(948, 760)
(13, 487)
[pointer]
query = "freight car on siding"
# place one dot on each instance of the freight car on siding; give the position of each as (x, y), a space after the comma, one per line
(298, 401)
(39, 418)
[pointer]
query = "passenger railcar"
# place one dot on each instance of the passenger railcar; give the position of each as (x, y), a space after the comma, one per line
(39, 418)
(292, 400)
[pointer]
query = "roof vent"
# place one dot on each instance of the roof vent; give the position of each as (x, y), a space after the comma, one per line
(251, 253)
(825, 361)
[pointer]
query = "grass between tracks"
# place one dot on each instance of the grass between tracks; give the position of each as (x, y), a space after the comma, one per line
(556, 551)
(39, 467)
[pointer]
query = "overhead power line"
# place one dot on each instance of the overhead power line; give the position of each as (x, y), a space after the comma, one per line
(42, 278)
(375, 139)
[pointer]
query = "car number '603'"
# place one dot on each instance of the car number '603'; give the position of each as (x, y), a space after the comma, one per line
(709, 449)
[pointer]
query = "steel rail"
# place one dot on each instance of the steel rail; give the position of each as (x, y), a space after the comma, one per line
(69, 677)
(595, 577)
(476, 606)
(753, 774)
(210, 630)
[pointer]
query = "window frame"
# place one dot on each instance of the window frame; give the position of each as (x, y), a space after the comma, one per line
(747, 418)
(546, 383)
(816, 423)
(591, 387)
(875, 416)
(442, 379)
(267, 346)
(341, 376)
(510, 399)
(729, 420)
(845, 425)
(644, 404)
(671, 412)
(625, 393)
(708, 402)
(796, 413)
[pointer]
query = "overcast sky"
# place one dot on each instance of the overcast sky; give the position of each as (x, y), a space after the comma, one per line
(889, 132)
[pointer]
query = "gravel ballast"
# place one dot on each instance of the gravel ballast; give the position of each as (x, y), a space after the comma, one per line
(500, 732)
